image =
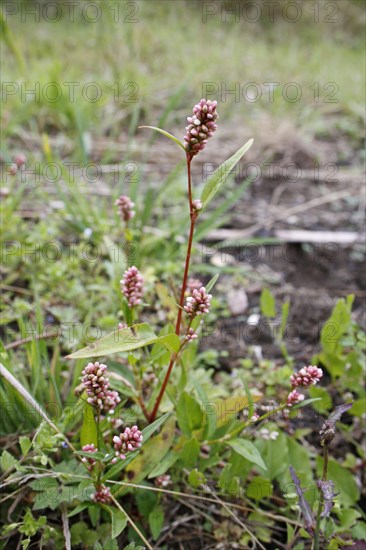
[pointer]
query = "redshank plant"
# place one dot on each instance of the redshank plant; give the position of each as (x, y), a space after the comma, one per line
(201, 127)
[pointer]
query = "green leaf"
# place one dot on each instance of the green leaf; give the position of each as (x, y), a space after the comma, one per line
(7, 461)
(149, 430)
(325, 402)
(228, 409)
(88, 432)
(214, 184)
(82, 534)
(212, 283)
(196, 478)
(274, 453)
(267, 303)
(189, 453)
(189, 414)
(299, 458)
(170, 341)
(166, 134)
(76, 511)
(259, 488)
(331, 334)
(347, 519)
(119, 520)
(25, 444)
(146, 501)
(156, 521)
(246, 449)
(168, 461)
(284, 316)
(125, 339)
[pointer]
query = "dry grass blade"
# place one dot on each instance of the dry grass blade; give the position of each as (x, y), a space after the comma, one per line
(132, 523)
(65, 528)
(206, 499)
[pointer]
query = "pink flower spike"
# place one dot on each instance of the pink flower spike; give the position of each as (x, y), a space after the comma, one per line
(125, 208)
(294, 397)
(90, 448)
(111, 400)
(198, 303)
(128, 441)
(307, 376)
(20, 159)
(132, 286)
(201, 126)
(95, 383)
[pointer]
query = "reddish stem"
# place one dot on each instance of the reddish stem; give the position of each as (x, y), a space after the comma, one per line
(173, 358)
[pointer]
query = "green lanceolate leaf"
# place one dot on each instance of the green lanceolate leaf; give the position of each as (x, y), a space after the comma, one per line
(189, 414)
(247, 450)
(267, 303)
(25, 444)
(119, 520)
(166, 134)
(88, 432)
(156, 521)
(227, 409)
(212, 282)
(125, 339)
(170, 341)
(214, 184)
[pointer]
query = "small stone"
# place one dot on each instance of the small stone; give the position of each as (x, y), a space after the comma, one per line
(237, 301)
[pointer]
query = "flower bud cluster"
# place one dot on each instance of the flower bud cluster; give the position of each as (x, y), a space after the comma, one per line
(307, 376)
(96, 384)
(132, 286)
(201, 126)
(125, 208)
(128, 441)
(198, 303)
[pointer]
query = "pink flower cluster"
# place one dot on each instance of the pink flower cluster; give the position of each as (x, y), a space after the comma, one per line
(19, 161)
(111, 401)
(198, 303)
(197, 205)
(128, 441)
(294, 397)
(193, 284)
(132, 286)
(125, 208)
(90, 461)
(102, 494)
(163, 480)
(307, 376)
(191, 335)
(96, 384)
(201, 126)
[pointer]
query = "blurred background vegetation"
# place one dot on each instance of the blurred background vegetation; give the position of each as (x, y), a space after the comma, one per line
(162, 53)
